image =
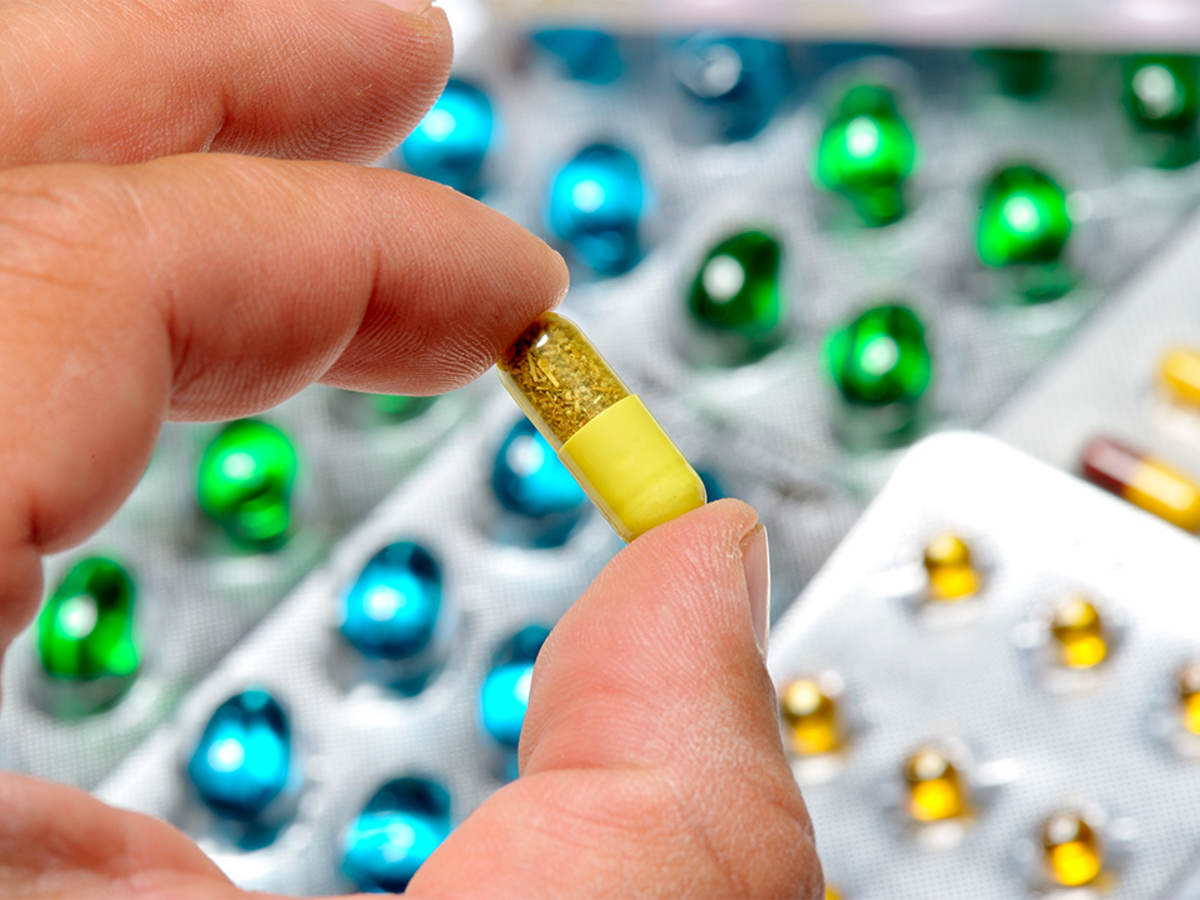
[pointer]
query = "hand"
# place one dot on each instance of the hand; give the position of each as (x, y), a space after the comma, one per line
(143, 278)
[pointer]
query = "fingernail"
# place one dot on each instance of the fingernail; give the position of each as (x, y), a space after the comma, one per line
(756, 562)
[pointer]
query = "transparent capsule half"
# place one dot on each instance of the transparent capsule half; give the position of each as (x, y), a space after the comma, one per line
(603, 433)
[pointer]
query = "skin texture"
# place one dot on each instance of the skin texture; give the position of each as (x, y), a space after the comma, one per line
(182, 235)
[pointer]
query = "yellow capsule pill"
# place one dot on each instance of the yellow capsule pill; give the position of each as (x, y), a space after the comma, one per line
(1079, 634)
(603, 434)
(948, 568)
(1187, 687)
(935, 789)
(811, 717)
(1179, 375)
(832, 893)
(1071, 849)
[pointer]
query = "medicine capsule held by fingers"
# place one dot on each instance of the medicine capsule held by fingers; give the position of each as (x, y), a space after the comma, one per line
(1179, 375)
(1148, 483)
(604, 434)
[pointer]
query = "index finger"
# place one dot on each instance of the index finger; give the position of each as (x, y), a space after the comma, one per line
(122, 81)
(212, 286)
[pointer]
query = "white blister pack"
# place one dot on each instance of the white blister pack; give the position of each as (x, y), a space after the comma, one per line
(989, 690)
(194, 592)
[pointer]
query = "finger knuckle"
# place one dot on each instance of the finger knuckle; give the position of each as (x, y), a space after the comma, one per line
(759, 837)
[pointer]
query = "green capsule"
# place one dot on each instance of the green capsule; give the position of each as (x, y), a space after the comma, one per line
(1023, 218)
(1162, 98)
(398, 408)
(736, 289)
(86, 631)
(880, 357)
(245, 483)
(1022, 72)
(1161, 92)
(866, 153)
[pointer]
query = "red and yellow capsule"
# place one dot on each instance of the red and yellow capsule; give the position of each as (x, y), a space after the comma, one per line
(1179, 375)
(1146, 482)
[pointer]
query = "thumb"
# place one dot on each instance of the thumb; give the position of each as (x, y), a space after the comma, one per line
(651, 758)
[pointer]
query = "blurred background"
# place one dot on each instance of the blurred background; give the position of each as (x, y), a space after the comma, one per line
(809, 235)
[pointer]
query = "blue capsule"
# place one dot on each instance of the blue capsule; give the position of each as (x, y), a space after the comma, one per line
(584, 53)
(242, 761)
(543, 500)
(714, 486)
(529, 479)
(504, 696)
(452, 141)
(503, 701)
(404, 822)
(595, 205)
(741, 80)
(391, 609)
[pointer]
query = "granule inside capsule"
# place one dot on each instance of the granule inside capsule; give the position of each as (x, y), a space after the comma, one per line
(561, 376)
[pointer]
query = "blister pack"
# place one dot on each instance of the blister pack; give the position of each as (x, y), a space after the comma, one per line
(406, 655)
(1122, 404)
(801, 257)
(990, 690)
(225, 520)
(838, 251)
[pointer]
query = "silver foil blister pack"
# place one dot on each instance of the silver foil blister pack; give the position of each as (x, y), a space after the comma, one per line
(983, 340)
(764, 430)
(351, 731)
(980, 679)
(197, 594)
